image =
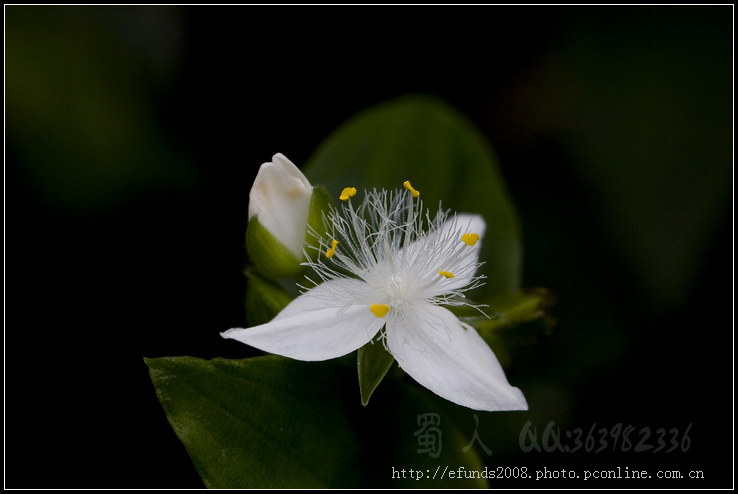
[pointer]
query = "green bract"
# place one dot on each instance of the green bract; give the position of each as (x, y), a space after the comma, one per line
(270, 255)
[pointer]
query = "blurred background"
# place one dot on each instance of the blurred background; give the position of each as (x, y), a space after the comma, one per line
(133, 135)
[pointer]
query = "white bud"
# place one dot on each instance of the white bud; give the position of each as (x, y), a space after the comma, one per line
(280, 197)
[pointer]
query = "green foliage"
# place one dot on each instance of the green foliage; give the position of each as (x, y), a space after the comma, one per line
(272, 422)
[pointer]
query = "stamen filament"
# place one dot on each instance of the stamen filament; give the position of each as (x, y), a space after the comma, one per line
(410, 212)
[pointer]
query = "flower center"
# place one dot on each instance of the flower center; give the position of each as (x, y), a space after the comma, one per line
(396, 288)
(403, 256)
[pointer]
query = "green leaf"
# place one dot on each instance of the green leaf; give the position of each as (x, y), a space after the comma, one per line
(272, 422)
(263, 422)
(422, 139)
(264, 299)
(373, 362)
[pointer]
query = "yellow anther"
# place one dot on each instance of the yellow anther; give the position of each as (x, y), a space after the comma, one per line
(329, 253)
(470, 239)
(446, 274)
(409, 187)
(347, 192)
(379, 310)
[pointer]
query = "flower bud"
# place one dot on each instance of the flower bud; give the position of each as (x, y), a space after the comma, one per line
(279, 207)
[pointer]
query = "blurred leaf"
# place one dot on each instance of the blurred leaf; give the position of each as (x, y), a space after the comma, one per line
(373, 362)
(272, 422)
(264, 299)
(669, 92)
(422, 139)
(80, 115)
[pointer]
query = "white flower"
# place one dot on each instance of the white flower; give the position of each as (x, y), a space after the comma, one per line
(385, 273)
(280, 197)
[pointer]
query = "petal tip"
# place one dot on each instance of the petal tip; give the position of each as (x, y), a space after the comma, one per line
(227, 334)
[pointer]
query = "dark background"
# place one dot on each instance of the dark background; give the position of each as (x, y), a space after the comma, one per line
(133, 136)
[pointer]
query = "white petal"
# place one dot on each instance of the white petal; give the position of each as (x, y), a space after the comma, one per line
(290, 169)
(451, 359)
(281, 197)
(444, 249)
(464, 267)
(318, 325)
(468, 223)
